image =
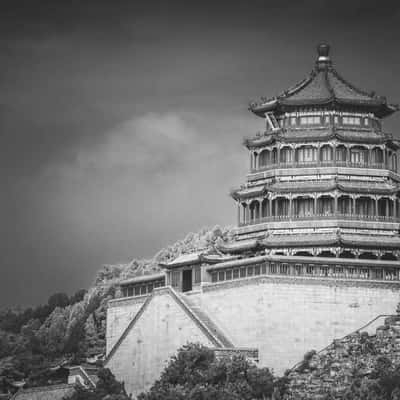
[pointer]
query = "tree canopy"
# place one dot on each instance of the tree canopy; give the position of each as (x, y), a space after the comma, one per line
(194, 373)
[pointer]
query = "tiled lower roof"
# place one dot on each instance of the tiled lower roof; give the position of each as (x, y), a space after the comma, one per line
(319, 186)
(54, 392)
(372, 241)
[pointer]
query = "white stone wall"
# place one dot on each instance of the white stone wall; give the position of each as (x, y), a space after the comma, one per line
(159, 332)
(119, 313)
(282, 317)
(285, 318)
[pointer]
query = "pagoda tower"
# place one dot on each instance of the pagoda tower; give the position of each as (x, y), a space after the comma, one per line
(323, 177)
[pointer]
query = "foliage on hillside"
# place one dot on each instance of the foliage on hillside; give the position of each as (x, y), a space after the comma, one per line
(70, 329)
(206, 239)
(194, 373)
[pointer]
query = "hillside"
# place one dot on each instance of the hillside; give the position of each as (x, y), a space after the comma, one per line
(72, 329)
(357, 367)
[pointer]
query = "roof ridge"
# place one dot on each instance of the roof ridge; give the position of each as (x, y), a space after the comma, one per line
(298, 86)
(355, 88)
(329, 86)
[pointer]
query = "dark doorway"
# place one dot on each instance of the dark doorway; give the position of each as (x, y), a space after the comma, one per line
(186, 280)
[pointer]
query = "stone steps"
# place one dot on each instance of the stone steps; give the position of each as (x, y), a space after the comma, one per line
(206, 320)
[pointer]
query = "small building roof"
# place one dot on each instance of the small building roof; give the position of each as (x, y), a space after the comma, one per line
(184, 259)
(239, 246)
(197, 258)
(143, 278)
(54, 392)
(324, 87)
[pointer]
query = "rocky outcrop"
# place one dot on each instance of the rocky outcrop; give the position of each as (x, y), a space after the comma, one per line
(330, 373)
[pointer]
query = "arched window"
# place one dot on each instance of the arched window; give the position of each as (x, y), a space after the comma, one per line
(265, 208)
(254, 210)
(280, 207)
(306, 154)
(264, 158)
(274, 156)
(325, 205)
(326, 253)
(385, 207)
(341, 153)
(359, 155)
(344, 205)
(377, 155)
(389, 257)
(347, 254)
(365, 206)
(286, 155)
(368, 256)
(394, 162)
(303, 206)
(326, 154)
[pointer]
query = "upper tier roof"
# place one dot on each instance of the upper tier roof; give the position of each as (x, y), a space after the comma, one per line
(324, 87)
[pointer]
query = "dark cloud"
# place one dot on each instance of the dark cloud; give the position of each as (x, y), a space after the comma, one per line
(121, 122)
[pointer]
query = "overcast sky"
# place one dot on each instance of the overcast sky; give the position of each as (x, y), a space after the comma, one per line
(121, 124)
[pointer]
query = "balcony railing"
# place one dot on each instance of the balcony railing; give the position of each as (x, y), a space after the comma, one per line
(315, 164)
(322, 216)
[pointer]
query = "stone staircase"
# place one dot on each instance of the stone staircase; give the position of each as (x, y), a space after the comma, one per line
(205, 320)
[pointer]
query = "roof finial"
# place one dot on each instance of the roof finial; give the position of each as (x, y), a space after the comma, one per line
(323, 59)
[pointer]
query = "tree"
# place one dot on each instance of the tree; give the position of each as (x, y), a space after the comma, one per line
(194, 373)
(58, 300)
(77, 296)
(108, 388)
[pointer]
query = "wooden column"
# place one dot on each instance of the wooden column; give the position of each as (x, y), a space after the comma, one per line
(334, 155)
(376, 207)
(385, 158)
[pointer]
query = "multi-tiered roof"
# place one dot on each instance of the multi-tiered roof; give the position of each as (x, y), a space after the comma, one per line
(323, 177)
(324, 87)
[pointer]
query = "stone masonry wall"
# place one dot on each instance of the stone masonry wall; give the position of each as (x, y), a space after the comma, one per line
(331, 371)
(283, 317)
(119, 313)
(159, 332)
(286, 317)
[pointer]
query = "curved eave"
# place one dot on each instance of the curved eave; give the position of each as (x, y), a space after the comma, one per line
(240, 195)
(377, 106)
(342, 134)
(261, 109)
(340, 187)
